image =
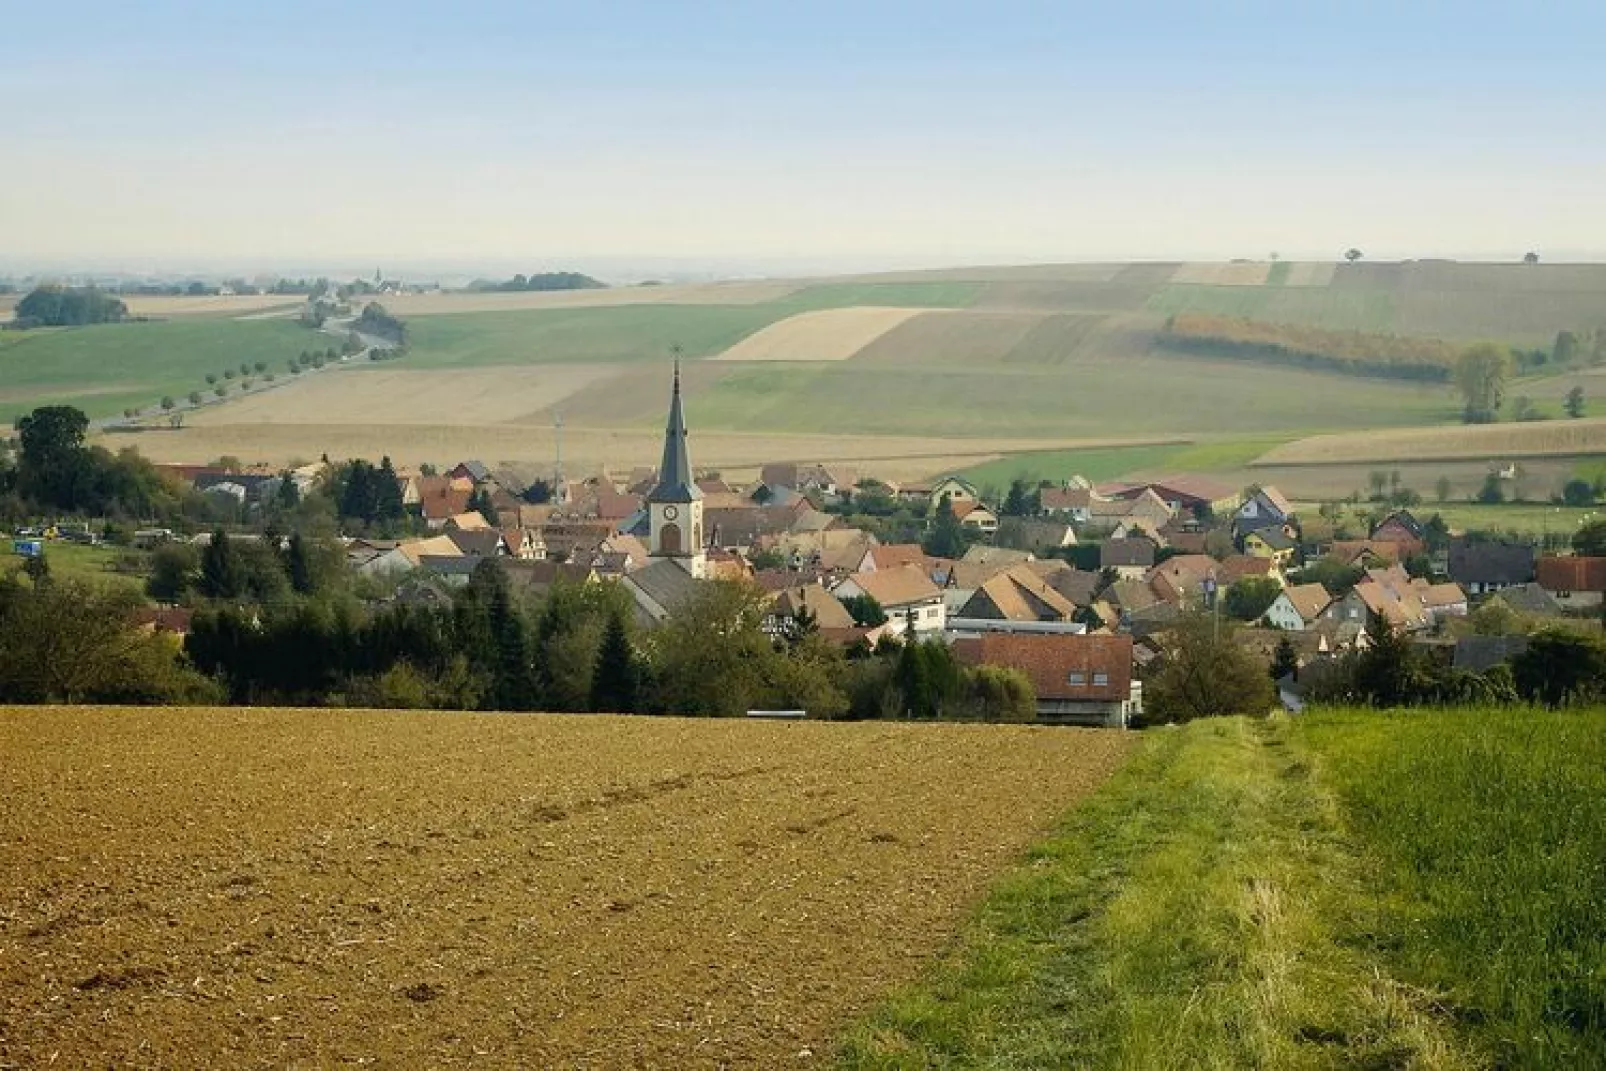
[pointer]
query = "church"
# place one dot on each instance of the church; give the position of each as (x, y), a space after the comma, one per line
(675, 517)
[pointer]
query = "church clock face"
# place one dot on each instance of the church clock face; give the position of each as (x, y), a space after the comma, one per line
(670, 513)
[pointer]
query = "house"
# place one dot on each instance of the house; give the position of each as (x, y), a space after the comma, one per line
(440, 499)
(1079, 679)
(974, 515)
(1018, 594)
(906, 595)
(1130, 558)
(831, 618)
(1140, 505)
(478, 542)
(475, 472)
(953, 488)
(1400, 604)
(1441, 600)
(1046, 533)
(1528, 599)
(1003, 557)
(891, 556)
(173, 620)
(469, 521)
(1484, 567)
(1072, 503)
(1298, 608)
(1264, 508)
(1572, 580)
(1273, 543)
(1198, 495)
(1367, 552)
(1185, 579)
(1404, 531)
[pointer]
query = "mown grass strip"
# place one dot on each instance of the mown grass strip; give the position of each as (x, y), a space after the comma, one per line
(1190, 914)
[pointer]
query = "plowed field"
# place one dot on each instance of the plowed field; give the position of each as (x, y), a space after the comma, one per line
(238, 888)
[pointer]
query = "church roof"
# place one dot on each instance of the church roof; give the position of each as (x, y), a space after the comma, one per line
(674, 473)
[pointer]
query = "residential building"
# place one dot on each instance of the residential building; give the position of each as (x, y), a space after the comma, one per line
(1299, 607)
(905, 593)
(1079, 679)
(1573, 580)
(1484, 567)
(1264, 508)
(1130, 558)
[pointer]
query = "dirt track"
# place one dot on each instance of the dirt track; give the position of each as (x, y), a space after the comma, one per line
(288, 888)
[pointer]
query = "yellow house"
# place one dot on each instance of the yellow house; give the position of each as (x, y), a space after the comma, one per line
(1273, 543)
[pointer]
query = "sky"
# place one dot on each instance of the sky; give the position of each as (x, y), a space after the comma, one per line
(759, 136)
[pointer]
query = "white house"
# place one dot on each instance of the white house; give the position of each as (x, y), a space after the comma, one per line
(1298, 608)
(902, 591)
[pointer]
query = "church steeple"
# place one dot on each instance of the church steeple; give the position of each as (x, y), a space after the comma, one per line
(675, 507)
(674, 473)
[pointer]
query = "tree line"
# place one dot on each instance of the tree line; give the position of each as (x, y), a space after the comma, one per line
(1350, 352)
(544, 280)
(53, 305)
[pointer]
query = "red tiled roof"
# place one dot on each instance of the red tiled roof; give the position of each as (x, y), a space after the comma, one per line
(1050, 660)
(1572, 573)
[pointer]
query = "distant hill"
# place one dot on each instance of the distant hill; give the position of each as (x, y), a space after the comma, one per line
(548, 280)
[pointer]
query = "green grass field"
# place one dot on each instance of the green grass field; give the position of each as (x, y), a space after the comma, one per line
(1348, 890)
(619, 334)
(1133, 397)
(102, 564)
(1098, 464)
(1529, 519)
(105, 369)
(919, 295)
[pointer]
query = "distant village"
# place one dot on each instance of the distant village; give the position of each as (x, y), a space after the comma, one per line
(1073, 584)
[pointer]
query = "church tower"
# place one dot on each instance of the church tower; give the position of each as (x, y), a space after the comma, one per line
(675, 507)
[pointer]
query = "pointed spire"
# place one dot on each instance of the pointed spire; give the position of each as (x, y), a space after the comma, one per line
(674, 472)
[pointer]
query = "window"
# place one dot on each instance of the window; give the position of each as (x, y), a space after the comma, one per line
(1078, 678)
(1101, 680)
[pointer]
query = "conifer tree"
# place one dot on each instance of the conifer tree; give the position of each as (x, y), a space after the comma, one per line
(616, 682)
(222, 573)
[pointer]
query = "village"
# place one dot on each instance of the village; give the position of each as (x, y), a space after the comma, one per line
(1076, 585)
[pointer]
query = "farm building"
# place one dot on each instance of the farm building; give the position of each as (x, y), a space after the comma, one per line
(1573, 580)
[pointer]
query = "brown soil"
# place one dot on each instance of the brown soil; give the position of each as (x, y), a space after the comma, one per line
(239, 888)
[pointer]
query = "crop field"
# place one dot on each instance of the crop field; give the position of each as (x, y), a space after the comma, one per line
(403, 396)
(1461, 442)
(821, 335)
(163, 307)
(1117, 462)
(1214, 273)
(105, 369)
(312, 888)
(450, 303)
(933, 294)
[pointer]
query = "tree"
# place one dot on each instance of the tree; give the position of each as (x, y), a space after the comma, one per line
(168, 402)
(173, 568)
(1441, 489)
(1251, 597)
(37, 568)
(866, 611)
(1491, 493)
(999, 693)
(222, 573)
(946, 538)
(1481, 374)
(1590, 539)
(53, 461)
(1578, 493)
(1206, 673)
(1377, 479)
(62, 306)
(928, 678)
(1530, 257)
(480, 502)
(260, 366)
(1386, 673)
(1284, 660)
(1559, 668)
(1022, 500)
(616, 681)
(195, 397)
(1574, 403)
(211, 379)
(298, 564)
(1565, 350)
(1352, 254)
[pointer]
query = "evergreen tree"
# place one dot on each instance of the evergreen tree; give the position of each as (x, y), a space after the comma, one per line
(1285, 659)
(287, 497)
(616, 681)
(946, 538)
(480, 502)
(1385, 673)
(388, 505)
(1022, 500)
(222, 575)
(298, 563)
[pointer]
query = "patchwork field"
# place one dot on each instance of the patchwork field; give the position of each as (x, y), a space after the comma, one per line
(822, 335)
(1471, 442)
(449, 303)
(405, 397)
(166, 307)
(297, 888)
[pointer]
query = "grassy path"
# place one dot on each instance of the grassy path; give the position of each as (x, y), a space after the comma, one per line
(1204, 910)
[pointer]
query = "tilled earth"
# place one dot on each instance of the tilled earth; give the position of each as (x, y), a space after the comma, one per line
(279, 888)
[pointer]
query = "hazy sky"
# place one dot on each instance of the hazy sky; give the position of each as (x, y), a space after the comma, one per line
(162, 132)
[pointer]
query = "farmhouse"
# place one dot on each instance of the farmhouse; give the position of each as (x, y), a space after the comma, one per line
(1484, 567)
(1130, 558)
(1079, 680)
(1264, 508)
(1018, 594)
